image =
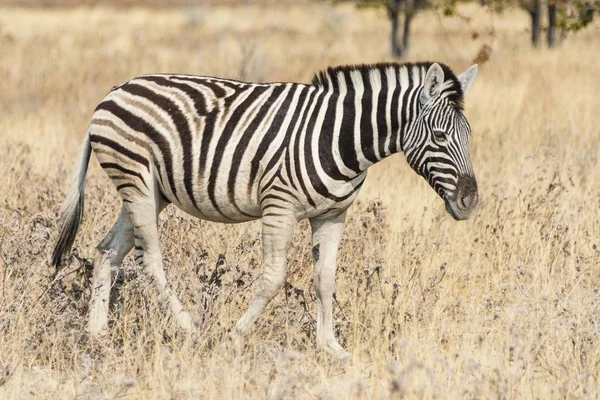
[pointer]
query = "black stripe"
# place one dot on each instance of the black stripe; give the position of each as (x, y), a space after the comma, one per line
(270, 214)
(118, 177)
(394, 122)
(267, 225)
(124, 170)
(267, 206)
(129, 185)
(288, 166)
(367, 143)
(346, 139)
(163, 197)
(120, 149)
(273, 197)
(207, 134)
(381, 113)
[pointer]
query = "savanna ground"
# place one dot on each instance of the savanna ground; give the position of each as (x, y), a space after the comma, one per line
(505, 305)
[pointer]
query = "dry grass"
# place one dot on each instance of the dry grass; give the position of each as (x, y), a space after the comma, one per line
(505, 305)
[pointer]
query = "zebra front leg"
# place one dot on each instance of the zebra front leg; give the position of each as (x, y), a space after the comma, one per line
(109, 255)
(326, 237)
(144, 215)
(277, 231)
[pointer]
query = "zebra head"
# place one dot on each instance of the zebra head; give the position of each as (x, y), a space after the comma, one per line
(437, 143)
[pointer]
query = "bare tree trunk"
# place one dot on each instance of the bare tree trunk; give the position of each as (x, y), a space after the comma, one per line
(536, 15)
(406, 34)
(409, 12)
(552, 24)
(393, 9)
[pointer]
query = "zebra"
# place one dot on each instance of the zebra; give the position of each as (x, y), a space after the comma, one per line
(231, 151)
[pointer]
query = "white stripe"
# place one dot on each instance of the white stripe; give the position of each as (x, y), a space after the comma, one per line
(391, 83)
(375, 80)
(403, 81)
(358, 92)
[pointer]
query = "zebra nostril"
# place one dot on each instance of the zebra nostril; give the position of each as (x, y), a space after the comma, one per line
(466, 201)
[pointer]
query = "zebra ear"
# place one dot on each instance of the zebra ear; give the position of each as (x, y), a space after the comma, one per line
(466, 78)
(433, 83)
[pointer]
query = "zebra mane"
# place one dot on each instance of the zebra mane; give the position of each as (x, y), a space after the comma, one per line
(329, 77)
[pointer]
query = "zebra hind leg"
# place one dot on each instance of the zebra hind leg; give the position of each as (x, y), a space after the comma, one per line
(144, 215)
(109, 256)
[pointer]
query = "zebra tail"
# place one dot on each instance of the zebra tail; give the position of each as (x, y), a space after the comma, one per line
(72, 208)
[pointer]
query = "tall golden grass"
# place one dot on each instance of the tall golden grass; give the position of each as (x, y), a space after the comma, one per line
(505, 305)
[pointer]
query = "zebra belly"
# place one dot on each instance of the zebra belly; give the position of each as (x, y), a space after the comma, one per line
(225, 216)
(215, 206)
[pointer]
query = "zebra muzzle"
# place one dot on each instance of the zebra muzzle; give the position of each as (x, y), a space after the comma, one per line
(464, 202)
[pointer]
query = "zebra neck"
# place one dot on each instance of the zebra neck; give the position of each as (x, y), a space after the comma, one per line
(365, 115)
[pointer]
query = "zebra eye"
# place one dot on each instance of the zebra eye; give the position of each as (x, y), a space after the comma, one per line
(439, 135)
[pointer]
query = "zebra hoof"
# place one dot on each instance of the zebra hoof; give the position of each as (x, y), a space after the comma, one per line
(334, 349)
(184, 321)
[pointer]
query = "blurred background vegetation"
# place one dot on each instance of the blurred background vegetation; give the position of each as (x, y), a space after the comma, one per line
(557, 18)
